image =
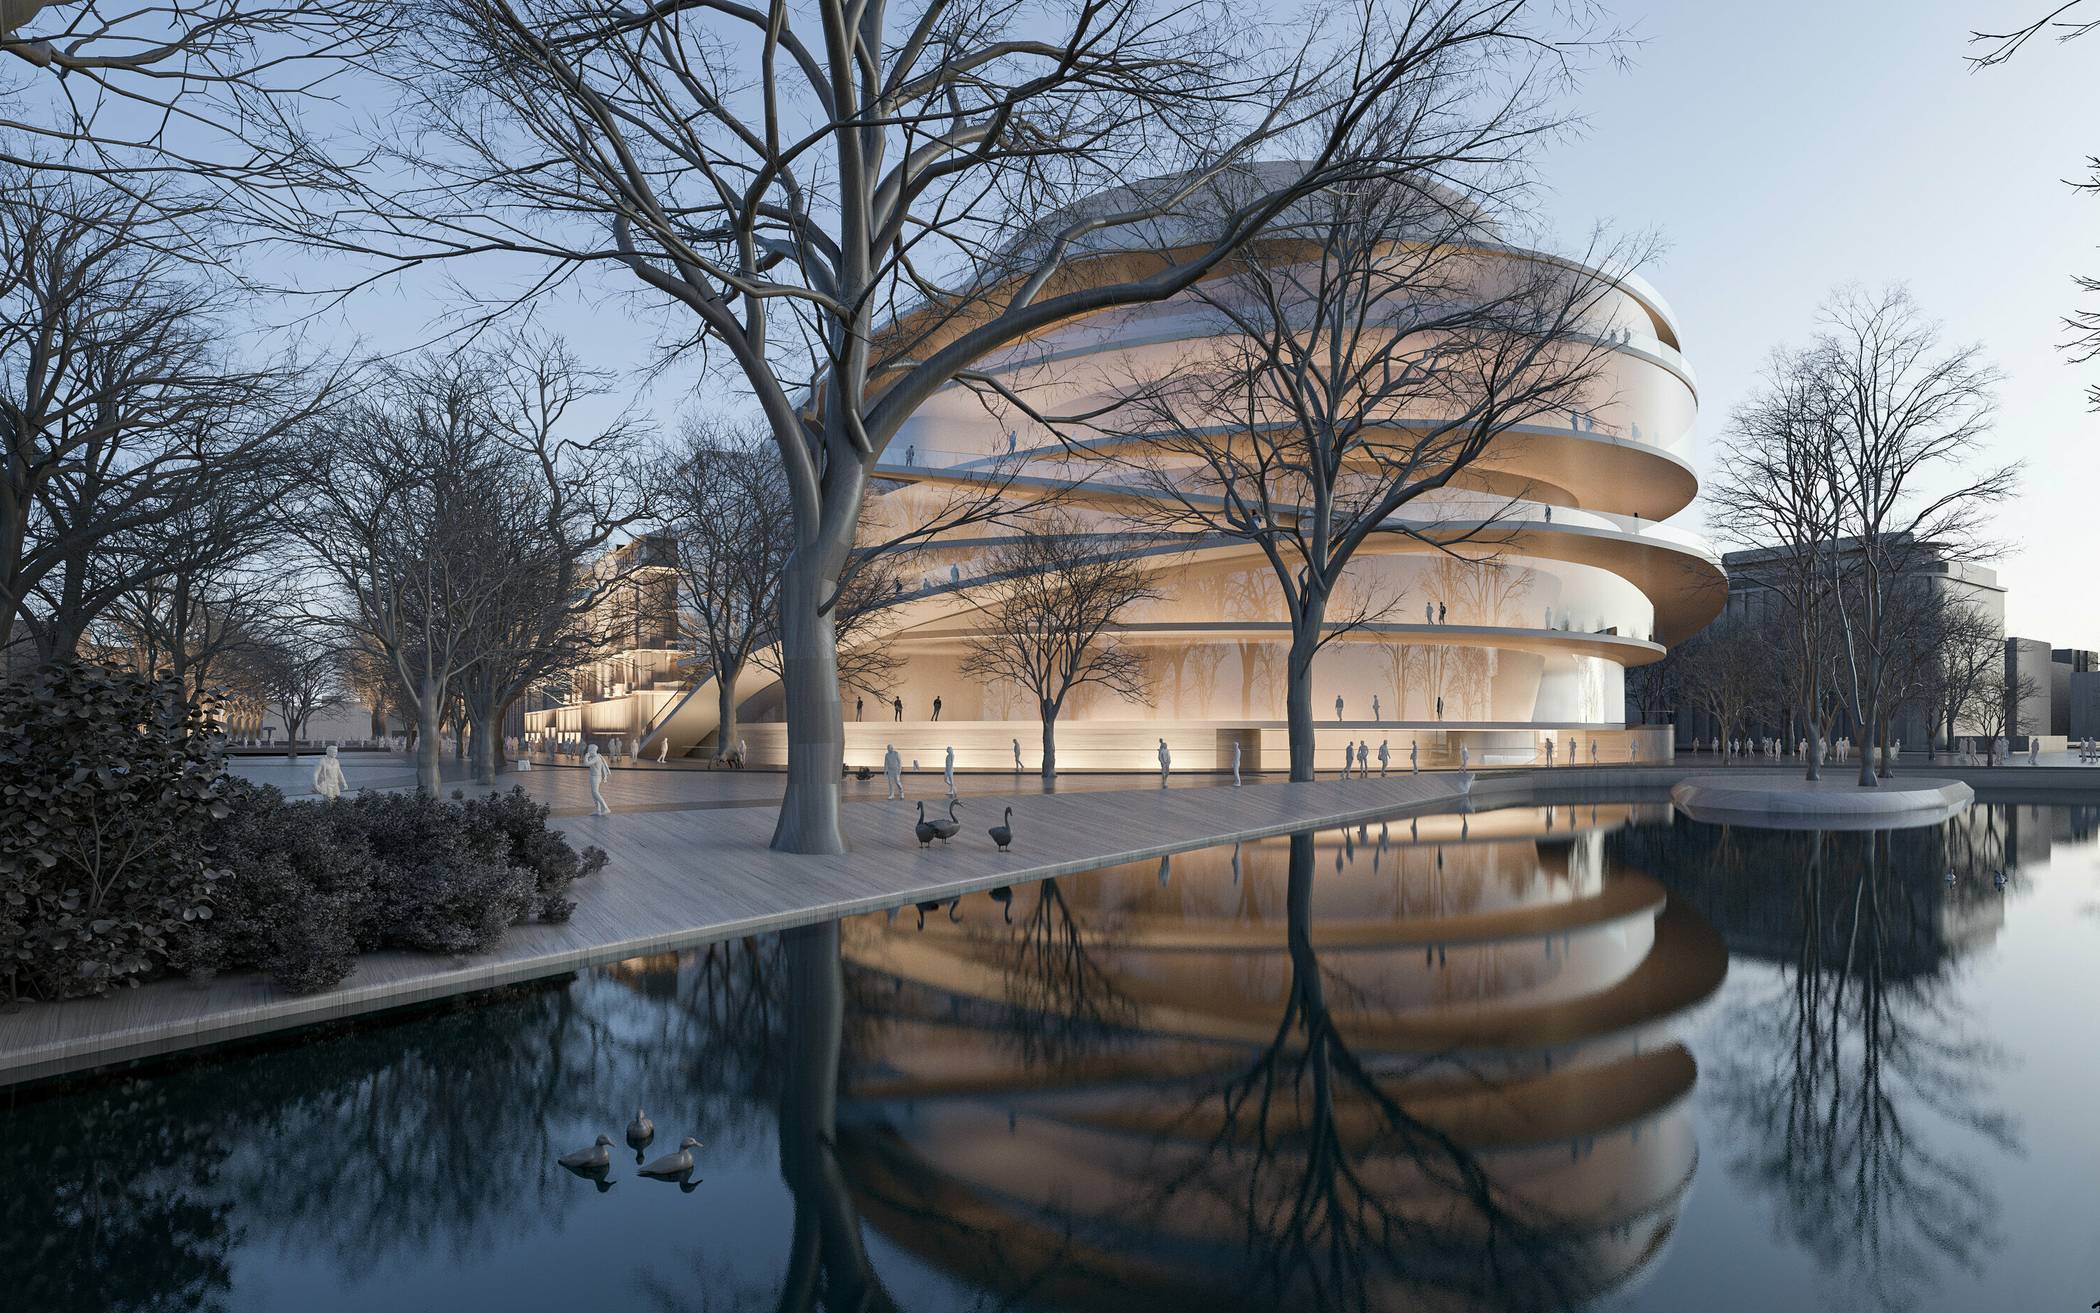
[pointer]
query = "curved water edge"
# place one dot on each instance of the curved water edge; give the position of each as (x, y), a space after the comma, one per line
(1788, 802)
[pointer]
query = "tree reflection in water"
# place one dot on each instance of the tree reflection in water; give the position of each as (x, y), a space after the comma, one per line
(1833, 1069)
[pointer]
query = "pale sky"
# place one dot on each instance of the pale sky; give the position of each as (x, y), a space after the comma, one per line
(1780, 150)
(1784, 148)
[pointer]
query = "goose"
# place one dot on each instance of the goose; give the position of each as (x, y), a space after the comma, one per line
(945, 830)
(1003, 833)
(1004, 896)
(673, 1166)
(925, 829)
(639, 1132)
(594, 1159)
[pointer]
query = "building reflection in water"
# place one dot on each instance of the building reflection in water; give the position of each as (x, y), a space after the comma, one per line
(1444, 1077)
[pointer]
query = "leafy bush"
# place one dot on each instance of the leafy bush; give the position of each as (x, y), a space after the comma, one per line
(107, 785)
(310, 885)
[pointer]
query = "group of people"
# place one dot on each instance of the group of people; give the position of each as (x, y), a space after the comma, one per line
(1356, 758)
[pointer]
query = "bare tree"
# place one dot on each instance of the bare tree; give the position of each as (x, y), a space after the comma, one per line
(1053, 596)
(208, 96)
(298, 672)
(1727, 670)
(727, 505)
(1772, 495)
(119, 412)
(1907, 418)
(406, 512)
(2066, 21)
(1366, 356)
(856, 206)
(574, 486)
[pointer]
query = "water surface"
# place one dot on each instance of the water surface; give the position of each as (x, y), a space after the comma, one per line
(1529, 1059)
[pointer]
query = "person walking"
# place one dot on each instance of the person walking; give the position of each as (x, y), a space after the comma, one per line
(892, 771)
(948, 772)
(1017, 756)
(1348, 758)
(1385, 757)
(1414, 756)
(597, 768)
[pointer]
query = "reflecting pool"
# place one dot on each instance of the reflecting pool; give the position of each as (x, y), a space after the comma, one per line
(1599, 1057)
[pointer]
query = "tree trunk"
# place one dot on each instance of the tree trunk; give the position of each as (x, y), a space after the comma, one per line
(1297, 699)
(485, 751)
(1049, 743)
(809, 668)
(1866, 751)
(725, 713)
(428, 743)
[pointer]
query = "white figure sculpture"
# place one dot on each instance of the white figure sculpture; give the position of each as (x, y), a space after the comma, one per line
(1166, 763)
(1465, 758)
(1428, 613)
(1235, 775)
(948, 771)
(954, 574)
(663, 750)
(619, 749)
(892, 771)
(328, 775)
(597, 768)
(1017, 756)
(743, 753)
(1414, 756)
(1385, 757)
(524, 765)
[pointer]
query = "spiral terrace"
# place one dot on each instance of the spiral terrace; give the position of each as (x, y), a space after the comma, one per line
(1529, 642)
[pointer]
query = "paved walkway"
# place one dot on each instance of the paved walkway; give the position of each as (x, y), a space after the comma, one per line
(683, 872)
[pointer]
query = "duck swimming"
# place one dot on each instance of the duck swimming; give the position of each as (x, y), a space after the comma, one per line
(639, 1132)
(673, 1166)
(594, 1159)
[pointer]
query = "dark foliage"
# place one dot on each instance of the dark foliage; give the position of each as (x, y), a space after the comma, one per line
(309, 885)
(107, 787)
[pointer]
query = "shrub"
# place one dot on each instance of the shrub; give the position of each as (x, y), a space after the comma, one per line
(543, 851)
(309, 885)
(107, 785)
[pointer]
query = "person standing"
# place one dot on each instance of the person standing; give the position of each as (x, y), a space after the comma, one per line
(936, 708)
(1414, 756)
(1440, 613)
(663, 749)
(1376, 714)
(1348, 758)
(948, 772)
(1337, 708)
(892, 771)
(328, 775)
(1549, 749)
(1363, 759)
(897, 709)
(1235, 763)
(1017, 756)
(858, 703)
(1385, 757)
(596, 767)
(1166, 763)
(1440, 706)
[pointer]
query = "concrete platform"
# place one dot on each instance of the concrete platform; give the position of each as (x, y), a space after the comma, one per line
(1776, 801)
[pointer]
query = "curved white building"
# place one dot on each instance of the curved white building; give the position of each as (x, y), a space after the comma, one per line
(1498, 654)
